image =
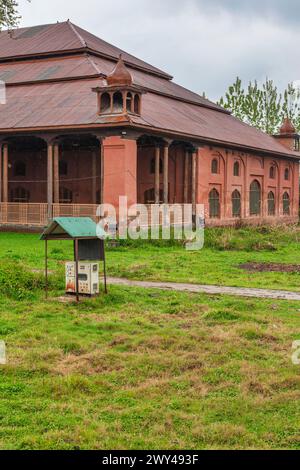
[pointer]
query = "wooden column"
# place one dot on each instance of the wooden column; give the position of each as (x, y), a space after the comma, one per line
(186, 177)
(194, 180)
(1, 149)
(157, 173)
(94, 177)
(5, 174)
(101, 173)
(50, 179)
(56, 173)
(166, 174)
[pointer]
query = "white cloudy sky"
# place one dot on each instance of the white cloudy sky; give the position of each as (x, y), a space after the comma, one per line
(204, 44)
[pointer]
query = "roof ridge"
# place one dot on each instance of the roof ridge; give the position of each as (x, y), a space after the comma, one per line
(94, 65)
(73, 28)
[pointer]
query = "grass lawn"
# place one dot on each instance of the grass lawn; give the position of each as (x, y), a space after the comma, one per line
(218, 263)
(142, 369)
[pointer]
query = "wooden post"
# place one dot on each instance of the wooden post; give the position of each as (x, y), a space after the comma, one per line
(166, 174)
(50, 179)
(1, 159)
(101, 173)
(46, 268)
(186, 177)
(94, 178)
(104, 268)
(56, 172)
(76, 270)
(5, 173)
(157, 173)
(194, 176)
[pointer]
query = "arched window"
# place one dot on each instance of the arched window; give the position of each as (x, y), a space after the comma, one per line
(63, 168)
(129, 102)
(65, 196)
(214, 204)
(215, 166)
(236, 169)
(272, 172)
(105, 103)
(20, 195)
(118, 102)
(255, 198)
(286, 203)
(137, 104)
(149, 196)
(152, 166)
(20, 168)
(271, 203)
(286, 174)
(236, 203)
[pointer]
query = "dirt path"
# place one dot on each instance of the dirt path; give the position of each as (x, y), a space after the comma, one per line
(196, 288)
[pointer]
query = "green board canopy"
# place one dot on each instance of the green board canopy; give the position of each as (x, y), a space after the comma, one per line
(70, 228)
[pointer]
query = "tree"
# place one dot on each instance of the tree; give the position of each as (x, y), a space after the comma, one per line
(9, 16)
(263, 106)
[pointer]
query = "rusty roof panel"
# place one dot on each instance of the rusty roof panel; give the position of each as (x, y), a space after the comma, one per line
(54, 69)
(58, 38)
(73, 104)
(85, 65)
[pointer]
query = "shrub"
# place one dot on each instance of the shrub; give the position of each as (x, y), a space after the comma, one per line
(18, 283)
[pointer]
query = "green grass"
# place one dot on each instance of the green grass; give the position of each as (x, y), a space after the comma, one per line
(145, 369)
(218, 263)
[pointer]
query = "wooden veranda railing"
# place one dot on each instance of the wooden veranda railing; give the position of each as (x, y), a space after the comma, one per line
(14, 213)
(36, 214)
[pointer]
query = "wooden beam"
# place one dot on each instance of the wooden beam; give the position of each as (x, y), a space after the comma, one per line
(194, 177)
(5, 174)
(50, 179)
(157, 174)
(166, 174)
(101, 173)
(186, 177)
(94, 177)
(1, 161)
(56, 173)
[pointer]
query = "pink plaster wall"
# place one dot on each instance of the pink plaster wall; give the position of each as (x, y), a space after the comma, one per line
(252, 167)
(120, 170)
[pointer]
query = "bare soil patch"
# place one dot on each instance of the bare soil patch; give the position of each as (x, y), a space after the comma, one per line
(271, 267)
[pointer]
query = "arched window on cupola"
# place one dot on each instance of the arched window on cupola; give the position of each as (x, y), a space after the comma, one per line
(129, 102)
(117, 102)
(137, 104)
(105, 103)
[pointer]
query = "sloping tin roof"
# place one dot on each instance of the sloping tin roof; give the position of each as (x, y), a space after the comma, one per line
(62, 37)
(73, 227)
(56, 92)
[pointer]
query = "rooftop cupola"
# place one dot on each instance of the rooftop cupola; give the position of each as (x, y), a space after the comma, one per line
(120, 96)
(288, 135)
(120, 75)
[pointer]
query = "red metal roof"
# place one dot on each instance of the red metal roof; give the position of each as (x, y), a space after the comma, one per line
(59, 38)
(57, 92)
